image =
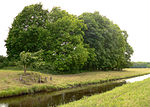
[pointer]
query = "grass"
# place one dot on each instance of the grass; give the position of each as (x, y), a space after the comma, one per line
(44, 97)
(10, 84)
(129, 95)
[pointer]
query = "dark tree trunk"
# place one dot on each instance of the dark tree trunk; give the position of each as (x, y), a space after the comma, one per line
(24, 68)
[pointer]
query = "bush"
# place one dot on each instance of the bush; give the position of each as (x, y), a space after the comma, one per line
(3, 61)
(42, 66)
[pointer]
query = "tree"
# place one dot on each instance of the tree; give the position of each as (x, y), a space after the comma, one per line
(93, 37)
(25, 59)
(128, 52)
(108, 41)
(24, 33)
(90, 41)
(34, 60)
(65, 48)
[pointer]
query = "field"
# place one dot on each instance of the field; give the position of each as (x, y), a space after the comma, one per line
(10, 83)
(129, 95)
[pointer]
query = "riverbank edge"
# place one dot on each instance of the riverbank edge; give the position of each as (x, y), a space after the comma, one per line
(51, 88)
(129, 95)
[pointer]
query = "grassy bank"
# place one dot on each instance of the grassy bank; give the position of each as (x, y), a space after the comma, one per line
(11, 85)
(129, 95)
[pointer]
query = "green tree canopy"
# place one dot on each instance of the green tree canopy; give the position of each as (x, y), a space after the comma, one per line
(68, 42)
(110, 43)
(65, 46)
(25, 59)
(24, 33)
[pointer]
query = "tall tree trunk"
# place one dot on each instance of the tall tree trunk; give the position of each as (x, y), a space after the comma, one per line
(24, 68)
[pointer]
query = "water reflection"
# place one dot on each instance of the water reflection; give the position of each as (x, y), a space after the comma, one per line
(140, 78)
(56, 98)
(3, 105)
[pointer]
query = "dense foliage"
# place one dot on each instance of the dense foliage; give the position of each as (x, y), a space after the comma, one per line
(109, 41)
(65, 48)
(31, 59)
(68, 42)
(25, 59)
(24, 33)
(3, 61)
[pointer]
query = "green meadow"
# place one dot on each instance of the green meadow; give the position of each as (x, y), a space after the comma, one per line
(129, 95)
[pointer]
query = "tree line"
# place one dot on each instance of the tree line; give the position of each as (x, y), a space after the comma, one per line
(63, 42)
(140, 65)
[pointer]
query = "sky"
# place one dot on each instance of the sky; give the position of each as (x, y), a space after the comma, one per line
(130, 15)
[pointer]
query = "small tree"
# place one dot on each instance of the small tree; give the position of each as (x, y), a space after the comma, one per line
(26, 59)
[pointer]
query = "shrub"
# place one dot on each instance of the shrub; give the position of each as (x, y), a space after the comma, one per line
(3, 61)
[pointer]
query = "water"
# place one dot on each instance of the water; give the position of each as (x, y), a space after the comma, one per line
(140, 78)
(52, 99)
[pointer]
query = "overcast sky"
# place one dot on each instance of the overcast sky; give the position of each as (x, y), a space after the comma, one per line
(131, 15)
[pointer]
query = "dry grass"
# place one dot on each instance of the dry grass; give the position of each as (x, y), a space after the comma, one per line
(9, 79)
(97, 76)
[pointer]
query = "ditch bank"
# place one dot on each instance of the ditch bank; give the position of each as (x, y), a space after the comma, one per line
(53, 99)
(18, 91)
